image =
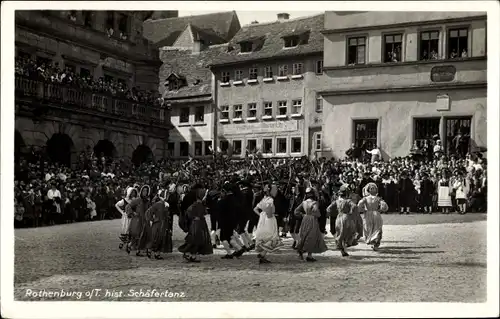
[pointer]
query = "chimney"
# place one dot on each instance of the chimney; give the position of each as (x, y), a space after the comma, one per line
(283, 17)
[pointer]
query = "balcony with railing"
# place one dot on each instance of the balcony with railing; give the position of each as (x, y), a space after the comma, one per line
(80, 99)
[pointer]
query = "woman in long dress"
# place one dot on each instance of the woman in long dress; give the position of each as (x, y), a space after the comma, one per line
(130, 195)
(372, 205)
(161, 236)
(266, 236)
(460, 193)
(310, 237)
(139, 228)
(444, 189)
(348, 222)
(197, 241)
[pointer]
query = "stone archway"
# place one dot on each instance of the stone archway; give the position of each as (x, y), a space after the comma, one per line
(142, 154)
(105, 148)
(59, 148)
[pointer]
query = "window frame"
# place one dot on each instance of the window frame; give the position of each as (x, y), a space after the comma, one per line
(234, 147)
(420, 46)
(200, 144)
(468, 42)
(318, 137)
(365, 45)
(238, 75)
(448, 138)
(206, 147)
(318, 110)
(416, 120)
(252, 107)
(225, 75)
(224, 109)
(293, 106)
(246, 45)
(171, 151)
(292, 139)
(264, 146)
(253, 73)
(223, 143)
(196, 110)
(282, 106)
(296, 67)
(268, 72)
(384, 44)
(268, 106)
(318, 70)
(238, 108)
(180, 149)
(181, 109)
(248, 146)
(284, 68)
(365, 121)
(290, 40)
(278, 140)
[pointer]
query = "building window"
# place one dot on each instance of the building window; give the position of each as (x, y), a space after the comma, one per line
(319, 67)
(457, 135)
(246, 47)
(199, 113)
(252, 110)
(291, 42)
(296, 145)
(226, 77)
(392, 46)
(317, 142)
(224, 146)
(297, 69)
(123, 26)
(208, 147)
(85, 73)
(87, 18)
(237, 111)
(429, 45)
(268, 72)
(225, 112)
(110, 21)
(184, 115)
(267, 146)
(171, 149)
(198, 147)
(253, 73)
(356, 50)
(283, 70)
(282, 108)
(458, 43)
(184, 149)
(365, 134)
(238, 75)
(251, 145)
(268, 108)
(297, 107)
(425, 129)
(173, 85)
(237, 147)
(281, 142)
(319, 104)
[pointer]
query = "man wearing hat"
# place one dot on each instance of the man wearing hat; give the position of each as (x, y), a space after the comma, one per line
(229, 207)
(245, 214)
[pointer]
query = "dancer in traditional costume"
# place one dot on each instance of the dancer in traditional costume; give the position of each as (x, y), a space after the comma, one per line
(310, 236)
(130, 195)
(293, 220)
(158, 215)
(136, 210)
(444, 189)
(197, 241)
(372, 205)
(266, 237)
(245, 214)
(229, 207)
(346, 220)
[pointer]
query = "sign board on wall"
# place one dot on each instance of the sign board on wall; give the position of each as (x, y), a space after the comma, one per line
(443, 102)
(259, 127)
(443, 73)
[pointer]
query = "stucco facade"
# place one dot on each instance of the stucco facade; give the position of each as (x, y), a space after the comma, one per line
(395, 97)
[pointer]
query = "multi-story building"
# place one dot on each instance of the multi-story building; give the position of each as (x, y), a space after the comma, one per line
(187, 46)
(263, 87)
(67, 119)
(396, 78)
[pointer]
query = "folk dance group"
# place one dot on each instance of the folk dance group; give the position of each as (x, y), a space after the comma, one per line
(147, 227)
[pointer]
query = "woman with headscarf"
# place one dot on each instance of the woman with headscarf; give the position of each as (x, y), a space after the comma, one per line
(266, 236)
(310, 237)
(136, 210)
(161, 236)
(346, 221)
(120, 206)
(372, 205)
(197, 241)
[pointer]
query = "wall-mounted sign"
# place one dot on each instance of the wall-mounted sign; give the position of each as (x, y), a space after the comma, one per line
(444, 73)
(259, 127)
(443, 102)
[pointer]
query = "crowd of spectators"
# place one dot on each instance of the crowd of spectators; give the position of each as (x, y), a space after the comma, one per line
(48, 193)
(45, 70)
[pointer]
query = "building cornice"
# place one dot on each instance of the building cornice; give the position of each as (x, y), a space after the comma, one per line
(259, 60)
(407, 63)
(202, 98)
(403, 25)
(431, 87)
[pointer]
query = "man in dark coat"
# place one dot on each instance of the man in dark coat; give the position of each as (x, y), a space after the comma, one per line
(229, 206)
(246, 196)
(406, 193)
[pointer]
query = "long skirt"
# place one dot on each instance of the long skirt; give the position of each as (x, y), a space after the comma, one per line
(373, 227)
(266, 236)
(161, 237)
(135, 230)
(310, 237)
(444, 198)
(125, 229)
(145, 241)
(345, 231)
(198, 239)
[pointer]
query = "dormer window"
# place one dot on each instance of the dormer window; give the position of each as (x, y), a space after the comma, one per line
(246, 47)
(175, 82)
(173, 85)
(291, 42)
